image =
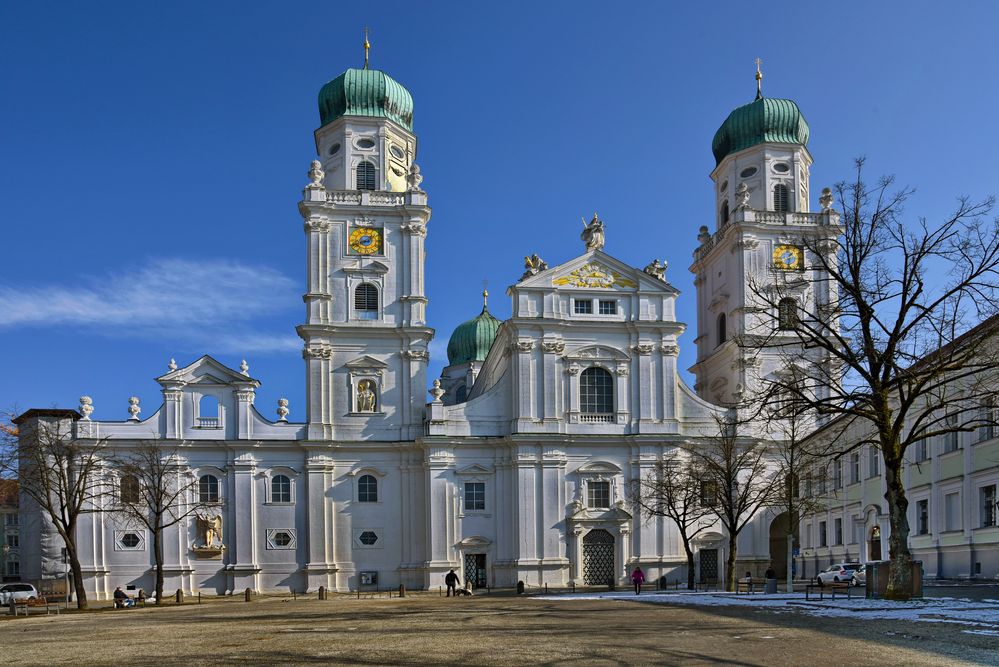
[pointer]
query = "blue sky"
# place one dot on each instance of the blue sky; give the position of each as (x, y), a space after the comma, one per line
(152, 155)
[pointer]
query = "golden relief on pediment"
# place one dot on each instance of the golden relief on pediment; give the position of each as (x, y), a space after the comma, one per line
(594, 275)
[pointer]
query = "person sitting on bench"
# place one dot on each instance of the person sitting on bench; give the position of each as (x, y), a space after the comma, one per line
(121, 599)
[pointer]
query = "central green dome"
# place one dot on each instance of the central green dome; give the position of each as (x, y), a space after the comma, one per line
(366, 92)
(762, 120)
(471, 340)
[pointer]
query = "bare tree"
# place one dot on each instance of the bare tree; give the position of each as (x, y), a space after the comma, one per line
(61, 474)
(156, 492)
(736, 481)
(673, 489)
(884, 334)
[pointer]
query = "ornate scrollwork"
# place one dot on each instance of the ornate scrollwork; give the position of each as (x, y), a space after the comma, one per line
(670, 349)
(643, 349)
(524, 345)
(553, 346)
(416, 354)
(323, 352)
(317, 225)
(415, 229)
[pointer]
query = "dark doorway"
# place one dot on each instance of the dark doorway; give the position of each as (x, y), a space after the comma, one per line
(709, 565)
(874, 546)
(598, 558)
(475, 570)
(778, 543)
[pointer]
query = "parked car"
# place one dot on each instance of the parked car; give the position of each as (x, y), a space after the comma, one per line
(10, 592)
(859, 576)
(836, 573)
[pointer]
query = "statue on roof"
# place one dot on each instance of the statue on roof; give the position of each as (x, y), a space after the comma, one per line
(533, 265)
(657, 269)
(593, 234)
(316, 175)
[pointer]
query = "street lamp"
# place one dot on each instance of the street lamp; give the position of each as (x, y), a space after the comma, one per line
(65, 560)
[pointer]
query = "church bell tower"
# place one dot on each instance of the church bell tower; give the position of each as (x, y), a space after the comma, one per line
(365, 221)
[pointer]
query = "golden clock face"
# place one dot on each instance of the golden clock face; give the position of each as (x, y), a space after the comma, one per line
(788, 257)
(366, 240)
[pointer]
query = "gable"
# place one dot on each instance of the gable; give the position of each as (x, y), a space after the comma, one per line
(594, 275)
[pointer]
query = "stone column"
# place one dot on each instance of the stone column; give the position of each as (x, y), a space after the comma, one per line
(320, 516)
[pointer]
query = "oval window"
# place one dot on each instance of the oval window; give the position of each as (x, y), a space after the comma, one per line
(724, 186)
(747, 172)
(782, 168)
(334, 149)
(365, 143)
(396, 151)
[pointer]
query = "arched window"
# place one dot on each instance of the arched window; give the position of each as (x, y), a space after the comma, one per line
(208, 412)
(596, 392)
(780, 198)
(208, 489)
(367, 489)
(722, 333)
(366, 301)
(365, 176)
(129, 489)
(724, 212)
(280, 489)
(787, 313)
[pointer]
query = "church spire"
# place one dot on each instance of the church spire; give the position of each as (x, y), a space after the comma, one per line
(759, 79)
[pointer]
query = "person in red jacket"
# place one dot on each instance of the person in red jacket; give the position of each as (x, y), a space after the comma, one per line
(638, 578)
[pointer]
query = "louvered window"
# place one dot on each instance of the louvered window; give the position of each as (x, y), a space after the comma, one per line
(366, 300)
(365, 176)
(780, 198)
(724, 213)
(787, 313)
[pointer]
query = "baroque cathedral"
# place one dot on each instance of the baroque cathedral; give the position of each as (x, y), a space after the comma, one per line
(516, 465)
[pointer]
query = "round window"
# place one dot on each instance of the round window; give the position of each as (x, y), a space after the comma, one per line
(782, 168)
(334, 149)
(365, 143)
(282, 539)
(747, 172)
(396, 151)
(724, 186)
(130, 540)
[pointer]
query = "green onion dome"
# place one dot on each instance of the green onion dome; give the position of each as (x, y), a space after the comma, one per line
(762, 120)
(366, 92)
(471, 340)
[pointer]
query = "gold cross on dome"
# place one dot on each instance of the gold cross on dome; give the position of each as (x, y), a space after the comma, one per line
(759, 79)
(367, 46)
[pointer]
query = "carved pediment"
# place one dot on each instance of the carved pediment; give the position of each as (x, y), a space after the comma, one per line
(368, 268)
(206, 371)
(366, 363)
(594, 275)
(475, 469)
(599, 467)
(597, 353)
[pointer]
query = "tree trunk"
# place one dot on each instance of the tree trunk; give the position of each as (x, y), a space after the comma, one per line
(730, 563)
(74, 566)
(900, 568)
(790, 562)
(690, 564)
(158, 555)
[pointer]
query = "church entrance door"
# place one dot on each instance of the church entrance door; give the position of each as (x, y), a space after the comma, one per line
(475, 570)
(709, 565)
(598, 558)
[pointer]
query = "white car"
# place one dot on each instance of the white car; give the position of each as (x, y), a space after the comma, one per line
(10, 592)
(838, 572)
(859, 576)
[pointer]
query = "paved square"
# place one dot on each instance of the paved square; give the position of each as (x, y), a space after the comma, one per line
(486, 630)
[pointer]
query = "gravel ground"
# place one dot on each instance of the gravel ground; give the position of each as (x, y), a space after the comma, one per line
(485, 630)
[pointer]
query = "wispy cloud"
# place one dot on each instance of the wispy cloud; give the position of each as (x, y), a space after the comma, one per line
(216, 304)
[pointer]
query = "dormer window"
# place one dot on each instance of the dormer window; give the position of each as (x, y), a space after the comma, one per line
(365, 175)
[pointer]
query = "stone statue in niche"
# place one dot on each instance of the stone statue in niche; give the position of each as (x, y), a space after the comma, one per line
(210, 532)
(365, 396)
(593, 233)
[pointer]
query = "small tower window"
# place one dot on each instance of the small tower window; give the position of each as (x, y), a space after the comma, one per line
(367, 489)
(787, 313)
(365, 176)
(724, 213)
(366, 301)
(780, 198)
(280, 489)
(722, 337)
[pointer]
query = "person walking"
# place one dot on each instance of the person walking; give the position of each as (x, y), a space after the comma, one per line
(451, 581)
(638, 578)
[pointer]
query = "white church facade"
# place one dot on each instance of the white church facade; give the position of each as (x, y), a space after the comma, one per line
(518, 467)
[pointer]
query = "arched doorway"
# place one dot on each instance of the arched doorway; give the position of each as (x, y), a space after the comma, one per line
(874, 544)
(598, 558)
(778, 543)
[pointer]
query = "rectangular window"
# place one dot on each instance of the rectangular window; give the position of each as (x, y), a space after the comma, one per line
(709, 494)
(950, 440)
(854, 467)
(986, 418)
(13, 540)
(13, 568)
(822, 534)
(598, 494)
(923, 517)
(987, 506)
(922, 451)
(608, 307)
(475, 496)
(581, 307)
(838, 531)
(838, 474)
(10, 519)
(952, 511)
(873, 461)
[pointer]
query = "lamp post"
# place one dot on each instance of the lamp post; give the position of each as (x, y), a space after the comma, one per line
(65, 560)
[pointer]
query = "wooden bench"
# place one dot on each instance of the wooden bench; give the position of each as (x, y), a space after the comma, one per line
(33, 605)
(750, 585)
(829, 588)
